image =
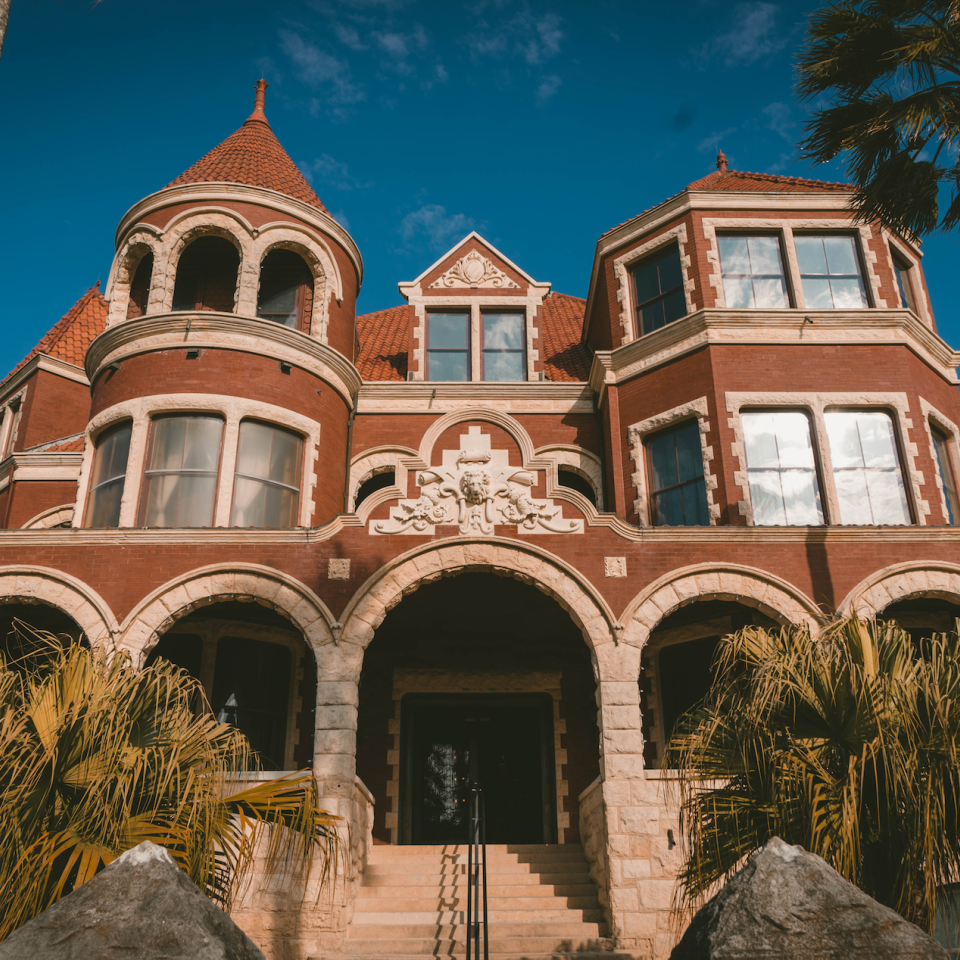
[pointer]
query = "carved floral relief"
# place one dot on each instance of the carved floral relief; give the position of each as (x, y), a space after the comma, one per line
(476, 489)
(474, 270)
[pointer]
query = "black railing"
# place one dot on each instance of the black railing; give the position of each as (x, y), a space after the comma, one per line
(477, 879)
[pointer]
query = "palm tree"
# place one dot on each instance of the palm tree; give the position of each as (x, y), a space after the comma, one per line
(96, 757)
(890, 70)
(848, 745)
(4, 17)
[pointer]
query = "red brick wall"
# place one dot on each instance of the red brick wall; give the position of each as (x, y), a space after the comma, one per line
(54, 407)
(30, 497)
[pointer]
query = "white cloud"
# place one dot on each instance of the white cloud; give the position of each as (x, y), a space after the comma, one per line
(753, 37)
(341, 218)
(326, 169)
(548, 87)
(778, 120)
(441, 74)
(393, 43)
(348, 36)
(433, 223)
(715, 141)
(533, 39)
(547, 42)
(317, 67)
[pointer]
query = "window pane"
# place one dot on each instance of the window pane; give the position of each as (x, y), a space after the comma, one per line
(671, 273)
(674, 306)
(902, 272)
(841, 255)
(448, 331)
(888, 500)
(113, 448)
(285, 465)
(160, 496)
(695, 513)
(770, 292)
(503, 331)
(668, 508)
(452, 365)
(734, 257)
(793, 439)
(663, 461)
(689, 451)
(810, 255)
(760, 440)
(764, 256)
(202, 443)
(816, 293)
(104, 507)
(253, 456)
(876, 439)
(801, 497)
(195, 508)
(273, 454)
(853, 497)
(647, 280)
(258, 504)
(847, 294)
(766, 497)
(283, 300)
(738, 293)
(677, 490)
(651, 316)
(942, 443)
(503, 366)
(166, 448)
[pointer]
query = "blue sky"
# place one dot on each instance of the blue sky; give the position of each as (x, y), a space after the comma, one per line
(541, 125)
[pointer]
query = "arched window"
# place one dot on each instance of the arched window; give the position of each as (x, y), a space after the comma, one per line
(207, 276)
(266, 489)
(107, 476)
(180, 479)
(140, 288)
(286, 290)
(372, 484)
(570, 478)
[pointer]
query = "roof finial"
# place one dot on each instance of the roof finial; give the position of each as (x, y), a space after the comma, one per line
(721, 161)
(258, 103)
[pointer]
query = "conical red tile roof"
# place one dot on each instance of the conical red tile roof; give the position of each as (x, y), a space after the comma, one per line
(253, 156)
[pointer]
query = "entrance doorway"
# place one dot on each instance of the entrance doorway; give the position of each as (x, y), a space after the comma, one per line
(503, 743)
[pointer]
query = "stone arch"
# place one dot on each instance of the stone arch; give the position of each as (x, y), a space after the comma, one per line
(138, 244)
(181, 232)
(581, 462)
(707, 581)
(64, 593)
(327, 281)
(54, 517)
(497, 417)
(373, 461)
(384, 590)
(292, 599)
(934, 579)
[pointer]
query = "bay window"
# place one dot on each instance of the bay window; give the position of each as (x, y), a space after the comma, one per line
(658, 288)
(866, 468)
(266, 490)
(108, 475)
(781, 469)
(678, 495)
(752, 270)
(448, 346)
(180, 479)
(830, 272)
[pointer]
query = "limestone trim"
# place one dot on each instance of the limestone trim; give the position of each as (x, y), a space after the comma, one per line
(64, 592)
(705, 328)
(233, 410)
(414, 680)
(39, 465)
(636, 434)
(502, 420)
(900, 581)
(156, 613)
(580, 461)
(786, 228)
(223, 331)
(371, 462)
(54, 517)
(232, 192)
(711, 581)
(427, 563)
(440, 398)
(912, 255)
(59, 368)
(815, 405)
(932, 414)
(625, 293)
(10, 415)
(142, 240)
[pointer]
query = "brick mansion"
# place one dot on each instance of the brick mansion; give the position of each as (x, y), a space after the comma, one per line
(491, 534)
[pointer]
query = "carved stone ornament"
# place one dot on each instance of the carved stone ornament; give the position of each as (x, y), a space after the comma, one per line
(474, 270)
(476, 489)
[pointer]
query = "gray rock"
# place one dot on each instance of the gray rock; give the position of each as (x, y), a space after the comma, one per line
(791, 905)
(141, 907)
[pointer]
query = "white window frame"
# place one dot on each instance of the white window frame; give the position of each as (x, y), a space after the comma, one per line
(815, 405)
(143, 410)
(637, 434)
(947, 426)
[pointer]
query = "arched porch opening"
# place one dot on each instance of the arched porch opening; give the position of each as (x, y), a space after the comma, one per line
(257, 672)
(922, 617)
(676, 667)
(477, 676)
(38, 616)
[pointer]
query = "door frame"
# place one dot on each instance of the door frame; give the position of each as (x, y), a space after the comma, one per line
(548, 769)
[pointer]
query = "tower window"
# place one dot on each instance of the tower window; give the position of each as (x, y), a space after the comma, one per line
(902, 271)
(107, 477)
(678, 494)
(140, 287)
(266, 490)
(180, 481)
(207, 276)
(658, 286)
(752, 270)
(286, 289)
(830, 272)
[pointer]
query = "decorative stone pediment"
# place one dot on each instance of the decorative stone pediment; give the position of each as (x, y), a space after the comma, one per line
(474, 270)
(475, 488)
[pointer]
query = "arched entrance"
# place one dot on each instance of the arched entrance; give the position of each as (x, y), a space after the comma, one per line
(477, 677)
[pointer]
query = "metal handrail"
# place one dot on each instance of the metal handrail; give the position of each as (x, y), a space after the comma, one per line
(477, 877)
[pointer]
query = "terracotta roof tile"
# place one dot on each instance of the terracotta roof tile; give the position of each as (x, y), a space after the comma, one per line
(564, 357)
(70, 338)
(253, 156)
(384, 344)
(739, 181)
(72, 444)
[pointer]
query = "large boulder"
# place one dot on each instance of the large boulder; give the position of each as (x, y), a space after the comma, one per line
(791, 905)
(141, 907)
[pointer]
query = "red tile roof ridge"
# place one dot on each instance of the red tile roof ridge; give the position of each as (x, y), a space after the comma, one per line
(71, 444)
(69, 338)
(712, 179)
(255, 157)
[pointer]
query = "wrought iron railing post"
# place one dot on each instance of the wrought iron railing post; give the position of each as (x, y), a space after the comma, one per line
(476, 878)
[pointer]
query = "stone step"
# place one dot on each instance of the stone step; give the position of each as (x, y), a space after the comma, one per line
(422, 849)
(437, 888)
(457, 917)
(450, 931)
(434, 859)
(500, 947)
(421, 903)
(532, 880)
(460, 869)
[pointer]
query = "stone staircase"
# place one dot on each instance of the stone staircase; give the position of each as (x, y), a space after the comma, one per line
(541, 903)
